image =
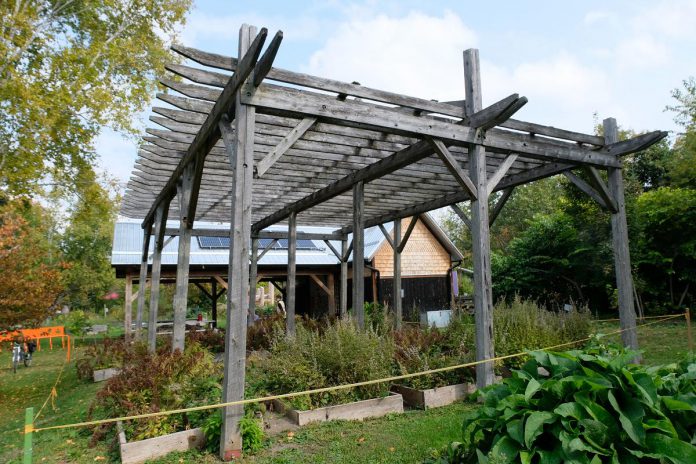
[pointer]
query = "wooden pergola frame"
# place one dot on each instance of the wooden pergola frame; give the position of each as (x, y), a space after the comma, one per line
(235, 148)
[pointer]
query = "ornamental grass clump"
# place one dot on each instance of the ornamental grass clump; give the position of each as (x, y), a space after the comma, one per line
(522, 325)
(589, 407)
(340, 354)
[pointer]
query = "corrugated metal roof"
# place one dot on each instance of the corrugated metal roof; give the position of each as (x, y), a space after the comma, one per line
(128, 243)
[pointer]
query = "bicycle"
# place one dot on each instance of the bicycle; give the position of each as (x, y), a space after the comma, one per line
(17, 355)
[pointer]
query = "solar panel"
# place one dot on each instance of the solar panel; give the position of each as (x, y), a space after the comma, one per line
(281, 244)
(214, 242)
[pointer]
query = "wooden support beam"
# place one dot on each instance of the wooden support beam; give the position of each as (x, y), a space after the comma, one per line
(480, 234)
(499, 205)
(263, 234)
(345, 252)
(321, 284)
(462, 215)
(128, 307)
(403, 241)
(241, 153)
(359, 254)
(214, 301)
(387, 237)
(160, 222)
(453, 166)
(142, 284)
(285, 144)
(602, 190)
(348, 251)
(586, 188)
(396, 283)
(500, 172)
(622, 255)
(333, 250)
(285, 101)
(185, 195)
(292, 276)
(332, 294)
(263, 66)
(221, 281)
(253, 271)
(329, 85)
(497, 113)
(266, 249)
(204, 290)
(210, 132)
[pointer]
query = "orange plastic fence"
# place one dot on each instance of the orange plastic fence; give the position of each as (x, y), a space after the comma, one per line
(37, 334)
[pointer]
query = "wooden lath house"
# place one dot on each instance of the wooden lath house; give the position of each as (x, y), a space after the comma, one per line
(240, 149)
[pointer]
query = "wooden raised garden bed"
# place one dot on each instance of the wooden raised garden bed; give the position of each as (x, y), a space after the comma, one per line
(136, 452)
(359, 410)
(434, 397)
(100, 375)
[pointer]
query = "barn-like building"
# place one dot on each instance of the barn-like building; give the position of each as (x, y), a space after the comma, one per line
(426, 262)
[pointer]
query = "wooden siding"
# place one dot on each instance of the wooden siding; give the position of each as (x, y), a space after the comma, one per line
(423, 255)
(420, 294)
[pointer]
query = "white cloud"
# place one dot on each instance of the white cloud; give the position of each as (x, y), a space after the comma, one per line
(641, 51)
(202, 28)
(674, 19)
(597, 16)
(416, 54)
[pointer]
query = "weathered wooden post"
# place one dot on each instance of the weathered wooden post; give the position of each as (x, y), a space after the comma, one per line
(359, 254)
(128, 307)
(332, 296)
(622, 255)
(240, 148)
(253, 270)
(184, 189)
(397, 301)
(160, 225)
(142, 283)
(292, 276)
(480, 233)
(343, 310)
(214, 302)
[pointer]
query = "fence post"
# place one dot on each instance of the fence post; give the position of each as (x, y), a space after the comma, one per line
(28, 430)
(688, 330)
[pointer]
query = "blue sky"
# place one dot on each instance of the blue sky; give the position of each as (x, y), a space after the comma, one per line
(571, 59)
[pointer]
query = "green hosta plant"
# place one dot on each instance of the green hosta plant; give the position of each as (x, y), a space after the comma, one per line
(584, 407)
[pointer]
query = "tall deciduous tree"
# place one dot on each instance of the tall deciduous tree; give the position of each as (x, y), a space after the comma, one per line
(68, 68)
(31, 282)
(86, 244)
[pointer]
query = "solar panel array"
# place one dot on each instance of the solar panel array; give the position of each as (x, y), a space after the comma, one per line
(223, 243)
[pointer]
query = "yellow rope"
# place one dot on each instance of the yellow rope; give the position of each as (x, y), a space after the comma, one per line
(645, 317)
(328, 389)
(54, 393)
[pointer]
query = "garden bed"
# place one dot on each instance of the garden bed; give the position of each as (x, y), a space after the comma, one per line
(100, 375)
(136, 452)
(358, 410)
(434, 397)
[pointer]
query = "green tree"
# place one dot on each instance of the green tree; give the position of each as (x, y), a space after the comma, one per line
(86, 244)
(30, 283)
(666, 249)
(68, 68)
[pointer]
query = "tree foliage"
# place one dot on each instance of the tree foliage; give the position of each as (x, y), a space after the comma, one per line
(69, 67)
(31, 281)
(86, 245)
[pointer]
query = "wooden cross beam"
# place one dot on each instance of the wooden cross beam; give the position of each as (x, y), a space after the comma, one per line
(283, 146)
(404, 240)
(210, 132)
(601, 188)
(499, 205)
(453, 166)
(585, 188)
(462, 215)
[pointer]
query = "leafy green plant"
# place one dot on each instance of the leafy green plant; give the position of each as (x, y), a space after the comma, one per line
(339, 355)
(110, 353)
(160, 381)
(252, 434)
(584, 407)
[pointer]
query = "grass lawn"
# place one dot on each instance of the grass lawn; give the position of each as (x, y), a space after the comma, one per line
(30, 387)
(401, 438)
